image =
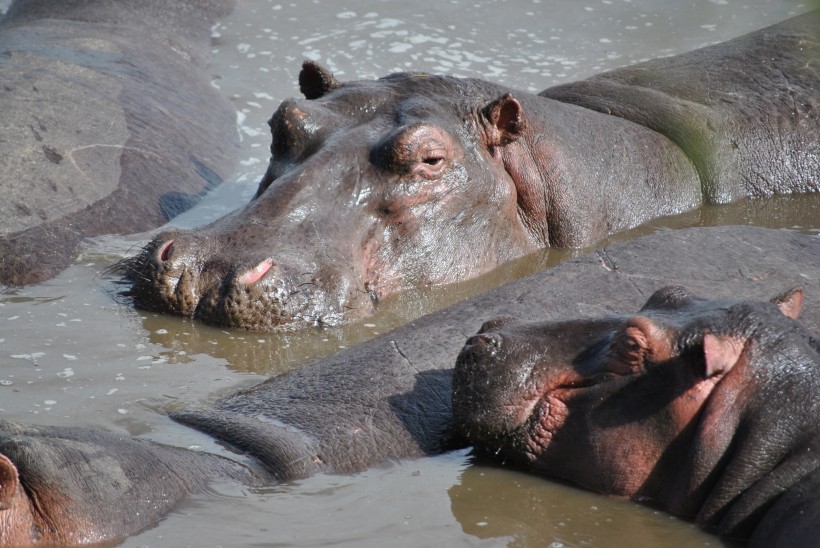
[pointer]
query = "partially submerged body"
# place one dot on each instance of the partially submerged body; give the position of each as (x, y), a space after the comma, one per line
(416, 180)
(705, 409)
(389, 398)
(108, 124)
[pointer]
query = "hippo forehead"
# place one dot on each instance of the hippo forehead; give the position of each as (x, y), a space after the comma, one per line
(409, 97)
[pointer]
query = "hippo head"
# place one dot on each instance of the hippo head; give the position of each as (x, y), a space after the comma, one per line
(686, 404)
(372, 187)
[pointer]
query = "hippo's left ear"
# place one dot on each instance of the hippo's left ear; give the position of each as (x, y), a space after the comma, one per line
(790, 302)
(720, 354)
(315, 80)
(9, 481)
(504, 120)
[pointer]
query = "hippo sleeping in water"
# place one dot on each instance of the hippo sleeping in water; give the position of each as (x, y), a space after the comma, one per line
(108, 124)
(386, 399)
(706, 409)
(413, 180)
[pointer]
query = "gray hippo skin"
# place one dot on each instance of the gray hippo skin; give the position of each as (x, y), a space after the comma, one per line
(108, 123)
(389, 398)
(707, 409)
(414, 179)
(71, 486)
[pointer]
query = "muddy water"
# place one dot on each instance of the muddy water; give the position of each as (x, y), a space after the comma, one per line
(73, 352)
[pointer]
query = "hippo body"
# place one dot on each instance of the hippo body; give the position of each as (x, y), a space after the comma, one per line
(706, 409)
(72, 486)
(389, 398)
(108, 124)
(413, 180)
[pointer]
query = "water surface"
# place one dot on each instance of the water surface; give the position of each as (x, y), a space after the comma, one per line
(72, 353)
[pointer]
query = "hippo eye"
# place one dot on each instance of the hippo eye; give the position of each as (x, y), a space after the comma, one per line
(419, 150)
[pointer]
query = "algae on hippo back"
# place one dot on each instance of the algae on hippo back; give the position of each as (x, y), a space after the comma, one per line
(374, 187)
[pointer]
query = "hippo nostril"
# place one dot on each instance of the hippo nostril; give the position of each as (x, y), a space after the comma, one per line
(488, 342)
(256, 273)
(166, 251)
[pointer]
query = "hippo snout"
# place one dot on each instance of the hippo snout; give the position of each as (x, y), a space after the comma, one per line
(231, 282)
(487, 343)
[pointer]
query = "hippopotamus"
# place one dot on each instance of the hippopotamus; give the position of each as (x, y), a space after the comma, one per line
(414, 180)
(109, 124)
(704, 408)
(386, 399)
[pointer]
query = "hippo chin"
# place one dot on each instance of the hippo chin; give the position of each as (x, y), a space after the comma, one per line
(706, 409)
(413, 180)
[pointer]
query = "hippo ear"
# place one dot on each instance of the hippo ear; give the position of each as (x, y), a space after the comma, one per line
(639, 342)
(9, 481)
(790, 302)
(315, 80)
(720, 354)
(505, 120)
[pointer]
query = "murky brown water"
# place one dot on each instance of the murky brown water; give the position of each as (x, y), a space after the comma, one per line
(71, 352)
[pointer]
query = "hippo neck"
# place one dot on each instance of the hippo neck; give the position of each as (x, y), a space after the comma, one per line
(570, 195)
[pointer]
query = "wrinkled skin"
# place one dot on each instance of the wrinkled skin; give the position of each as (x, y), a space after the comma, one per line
(374, 187)
(383, 400)
(108, 124)
(706, 409)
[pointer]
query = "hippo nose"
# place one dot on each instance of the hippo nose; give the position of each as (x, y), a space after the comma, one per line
(483, 343)
(175, 250)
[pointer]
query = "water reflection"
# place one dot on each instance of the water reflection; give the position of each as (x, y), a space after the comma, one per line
(495, 503)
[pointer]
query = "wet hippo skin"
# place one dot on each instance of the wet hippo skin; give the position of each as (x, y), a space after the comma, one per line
(704, 408)
(108, 123)
(388, 398)
(415, 179)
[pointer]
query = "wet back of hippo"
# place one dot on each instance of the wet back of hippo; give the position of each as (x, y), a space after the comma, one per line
(746, 112)
(107, 124)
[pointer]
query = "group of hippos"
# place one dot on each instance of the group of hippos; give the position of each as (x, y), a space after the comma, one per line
(612, 371)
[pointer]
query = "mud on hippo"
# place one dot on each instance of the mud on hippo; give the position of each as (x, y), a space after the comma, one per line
(414, 180)
(706, 409)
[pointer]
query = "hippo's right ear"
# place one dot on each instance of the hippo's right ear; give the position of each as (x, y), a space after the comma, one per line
(504, 119)
(720, 354)
(9, 481)
(315, 80)
(790, 302)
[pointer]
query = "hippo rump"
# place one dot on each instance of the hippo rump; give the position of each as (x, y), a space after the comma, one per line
(414, 180)
(108, 123)
(386, 399)
(707, 409)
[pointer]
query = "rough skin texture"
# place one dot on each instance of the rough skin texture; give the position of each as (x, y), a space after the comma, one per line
(414, 179)
(706, 409)
(108, 124)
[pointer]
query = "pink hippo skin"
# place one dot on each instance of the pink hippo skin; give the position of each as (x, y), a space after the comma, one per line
(706, 409)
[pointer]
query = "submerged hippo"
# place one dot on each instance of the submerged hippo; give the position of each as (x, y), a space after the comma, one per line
(412, 180)
(707, 409)
(108, 123)
(386, 399)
